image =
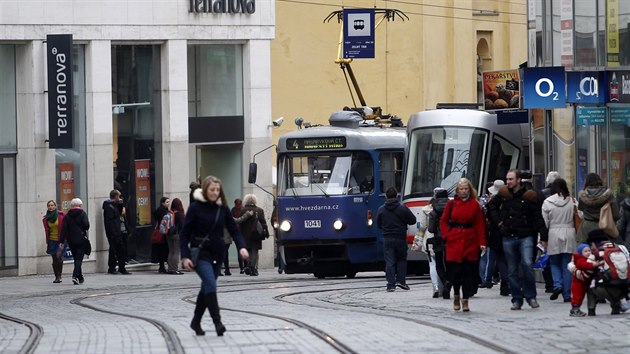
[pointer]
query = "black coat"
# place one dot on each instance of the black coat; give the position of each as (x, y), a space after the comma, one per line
(249, 227)
(392, 218)
(111, 219)
(199, 222)
(518, 214)
(75, 226)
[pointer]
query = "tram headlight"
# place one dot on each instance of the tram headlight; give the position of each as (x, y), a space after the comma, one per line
(338, 224)
(369, 218)
(285, 225)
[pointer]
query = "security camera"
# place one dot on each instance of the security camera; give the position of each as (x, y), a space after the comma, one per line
(278, 122)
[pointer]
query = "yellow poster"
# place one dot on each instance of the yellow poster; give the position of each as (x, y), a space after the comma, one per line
(612, 32)
(143, 191)
(66, 185)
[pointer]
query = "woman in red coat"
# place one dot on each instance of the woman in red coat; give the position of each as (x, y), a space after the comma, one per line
(464, 230)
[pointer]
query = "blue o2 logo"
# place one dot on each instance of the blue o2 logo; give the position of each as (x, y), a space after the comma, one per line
(588, 87)
(545, 82)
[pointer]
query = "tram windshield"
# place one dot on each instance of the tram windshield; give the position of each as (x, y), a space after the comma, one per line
(440, 156)
(325, 174)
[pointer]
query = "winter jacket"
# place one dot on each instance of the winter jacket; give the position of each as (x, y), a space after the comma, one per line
(75, 226)
(111, 219)
(392, 219)
(60, 217)
(623, 224)
(518, 214)
(199, 222)
(590, 202)
(582, 268)
(557, 211)
(249, 227)
(463, 228)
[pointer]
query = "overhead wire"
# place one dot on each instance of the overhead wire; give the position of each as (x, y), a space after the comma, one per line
(414, 13)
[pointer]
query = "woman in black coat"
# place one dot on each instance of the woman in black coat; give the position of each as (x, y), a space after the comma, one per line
(249, 228)
(159, 251)
(203, 228)
(74, 230)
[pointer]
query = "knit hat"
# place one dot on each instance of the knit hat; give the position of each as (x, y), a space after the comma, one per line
(440, 193)
(581, 247)
(496, 186)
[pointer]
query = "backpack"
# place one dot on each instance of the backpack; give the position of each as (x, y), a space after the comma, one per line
(615, 268)
(433, 219)
(167, 223)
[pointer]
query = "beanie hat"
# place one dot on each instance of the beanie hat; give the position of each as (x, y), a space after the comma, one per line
(597, 235)
(440, 193)
(581, 247)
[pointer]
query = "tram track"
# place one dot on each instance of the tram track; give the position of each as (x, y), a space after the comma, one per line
(35, 333)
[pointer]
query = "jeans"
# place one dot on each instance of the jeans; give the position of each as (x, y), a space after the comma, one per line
(208, 271)
(562, 277)
(395, 253)
(487, 264)
(78, 252)
(435, 278)
(116, 253)
(519, 253)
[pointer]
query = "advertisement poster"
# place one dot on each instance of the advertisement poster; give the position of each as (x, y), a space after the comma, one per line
(582, 167)
(616, 163)
(143, 191)
(501, 90)
(566, 32)
(66, 185)
(612, 32)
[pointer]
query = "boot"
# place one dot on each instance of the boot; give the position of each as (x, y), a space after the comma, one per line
(200, 307)
(456, 303)
(591, 312)
(446, 292)
(57, 269)
(465, 305)
(213, 308)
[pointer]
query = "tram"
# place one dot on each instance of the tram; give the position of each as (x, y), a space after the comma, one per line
(445, 145)
(331, 181)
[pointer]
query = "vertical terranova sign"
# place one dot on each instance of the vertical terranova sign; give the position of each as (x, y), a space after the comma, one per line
(59, 63)
(358, 33)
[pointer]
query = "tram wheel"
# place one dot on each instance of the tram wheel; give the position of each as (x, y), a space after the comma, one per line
(351, 275)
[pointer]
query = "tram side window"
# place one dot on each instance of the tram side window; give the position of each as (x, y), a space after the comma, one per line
(503, 157)
(390, 170)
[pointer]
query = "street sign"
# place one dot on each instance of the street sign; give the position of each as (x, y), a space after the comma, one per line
(544, 88)
(358, 33)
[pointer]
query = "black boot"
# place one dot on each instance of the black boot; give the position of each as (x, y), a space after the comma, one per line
(213, 308)
(446, 291)
(591, 312)
(200, 308)
(57, 269)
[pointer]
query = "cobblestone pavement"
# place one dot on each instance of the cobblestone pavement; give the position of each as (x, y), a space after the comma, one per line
(276, 313)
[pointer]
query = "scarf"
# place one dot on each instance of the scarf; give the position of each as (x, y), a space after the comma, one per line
(52, 215)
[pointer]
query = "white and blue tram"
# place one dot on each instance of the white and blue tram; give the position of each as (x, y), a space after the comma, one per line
(331, 181)
(445, 145)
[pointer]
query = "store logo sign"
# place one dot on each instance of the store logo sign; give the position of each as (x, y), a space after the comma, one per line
(619, 86)
(222, 6)
(544, 88)
(59, 64)
(586, 87)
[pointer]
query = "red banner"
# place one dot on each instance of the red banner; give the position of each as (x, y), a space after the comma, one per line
(143, 191)
(66, 185)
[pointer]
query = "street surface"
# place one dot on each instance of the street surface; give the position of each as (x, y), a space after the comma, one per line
(149, 312)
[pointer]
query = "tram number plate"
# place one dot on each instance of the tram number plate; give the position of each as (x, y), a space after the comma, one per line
(312, 224)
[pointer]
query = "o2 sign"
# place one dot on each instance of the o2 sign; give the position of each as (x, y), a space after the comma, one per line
(586, 87)
(544, 88)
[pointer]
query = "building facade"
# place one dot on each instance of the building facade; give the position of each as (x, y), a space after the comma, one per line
(157, 94)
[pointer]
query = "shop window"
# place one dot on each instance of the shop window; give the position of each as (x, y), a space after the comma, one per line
(563, 143)
(70, 164)
(215, 93)
(8, 149)
(136, 120)
(619, 139)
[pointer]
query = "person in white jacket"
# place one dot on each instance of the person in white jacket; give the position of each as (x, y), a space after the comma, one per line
(557, 211)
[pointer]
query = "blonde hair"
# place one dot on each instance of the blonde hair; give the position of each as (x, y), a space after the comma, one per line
(204, 188)
(473, 191)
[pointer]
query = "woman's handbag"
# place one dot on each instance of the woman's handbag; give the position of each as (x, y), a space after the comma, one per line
(88, 246)
(577, 220)
(194, 254)
(606, 221)
(157, 237)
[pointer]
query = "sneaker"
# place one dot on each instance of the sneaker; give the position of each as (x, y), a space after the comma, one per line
(112, 271)
(625, 306)
(81, 280)
(576, 312)
(227, 273)
(516, 305)
(75, 281)
(436, 294)
(533, 303)
(591, 312)
(125, 272)
(556, 292)
(391, 290)
(567, 300)
(403, 286)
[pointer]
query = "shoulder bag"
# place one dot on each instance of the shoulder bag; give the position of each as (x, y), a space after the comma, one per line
(577, 220)
(196, 251)
(606, 221)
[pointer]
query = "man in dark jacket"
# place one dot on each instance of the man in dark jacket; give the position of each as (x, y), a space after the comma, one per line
(111, 219)
(516, 211)
(392, 219)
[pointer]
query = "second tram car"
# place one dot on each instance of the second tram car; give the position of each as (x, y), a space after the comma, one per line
(445, 145)
(331, 181)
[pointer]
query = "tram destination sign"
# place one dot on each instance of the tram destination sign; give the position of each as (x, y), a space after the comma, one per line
(338, 142)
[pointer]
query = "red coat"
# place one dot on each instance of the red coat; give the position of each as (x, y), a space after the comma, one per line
(60, 216)
(463, 227)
